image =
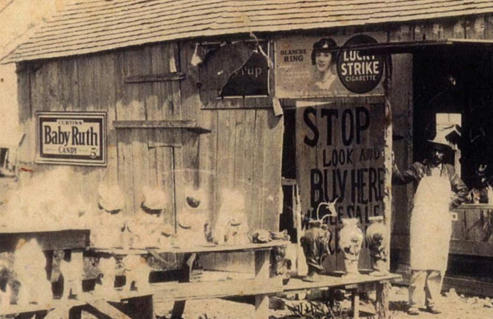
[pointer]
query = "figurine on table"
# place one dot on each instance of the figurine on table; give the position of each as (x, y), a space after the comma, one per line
(107, 231)
(193, 219)
(231, 225)
(482, 186)
(377, 239)
(108, 223)
(29, 268)
(147, 229)
(315, 241)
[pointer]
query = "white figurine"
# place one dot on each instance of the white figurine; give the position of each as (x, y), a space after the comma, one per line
(29, 268)
(147, 228)
(108, 223)
(72, 277)
(193, 219)
(137, 272)
(231, 226)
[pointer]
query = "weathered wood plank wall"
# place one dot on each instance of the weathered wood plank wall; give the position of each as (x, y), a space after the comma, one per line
(232, 155)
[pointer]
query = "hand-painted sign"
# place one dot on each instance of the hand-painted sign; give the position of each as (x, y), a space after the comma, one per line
(77, 138)
(307, 67)
(339, 156)
(359, 73)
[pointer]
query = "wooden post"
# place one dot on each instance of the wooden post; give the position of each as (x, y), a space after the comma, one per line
(77, 262)
(355, 303)
(179, 306)
(382, 302)
(262, 272)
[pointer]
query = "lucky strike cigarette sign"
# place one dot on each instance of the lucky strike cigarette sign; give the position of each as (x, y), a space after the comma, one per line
(71, 138)
(327, 66)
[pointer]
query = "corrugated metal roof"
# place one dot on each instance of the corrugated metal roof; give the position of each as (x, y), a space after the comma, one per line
(88, 26)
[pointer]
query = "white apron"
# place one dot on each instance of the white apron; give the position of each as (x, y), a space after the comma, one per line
(431, 223)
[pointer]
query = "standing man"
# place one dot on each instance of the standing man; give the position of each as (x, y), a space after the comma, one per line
(431, 223)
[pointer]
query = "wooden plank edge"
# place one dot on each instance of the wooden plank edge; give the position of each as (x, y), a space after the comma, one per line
(107, 309)
(165, 77)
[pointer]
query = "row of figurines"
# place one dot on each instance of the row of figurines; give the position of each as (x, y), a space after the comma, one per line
(147, 228)
(26, 280)
(315, 244)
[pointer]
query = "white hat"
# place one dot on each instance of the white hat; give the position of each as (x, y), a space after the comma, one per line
(111, 198)
(154, 198)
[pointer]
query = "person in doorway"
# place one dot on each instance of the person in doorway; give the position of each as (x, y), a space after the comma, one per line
(431, 223)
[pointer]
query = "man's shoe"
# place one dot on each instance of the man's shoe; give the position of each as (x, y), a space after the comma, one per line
(433, 310)
(413, 311)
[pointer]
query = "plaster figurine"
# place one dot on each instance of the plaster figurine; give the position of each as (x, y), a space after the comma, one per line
(148, 229)
(107, 268)
(350, 241)
(231, 225)
(377, 238)
(137, 271)
(29, 268)
(193, 219)
(72, 277)
(315, 242)
(108, 223)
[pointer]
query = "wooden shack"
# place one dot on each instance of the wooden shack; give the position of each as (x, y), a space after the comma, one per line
(202, 94)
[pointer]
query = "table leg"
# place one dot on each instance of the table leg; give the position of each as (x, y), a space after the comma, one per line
(355, 303)
(179, 306)
(75, 312)
(382, 302)
(77, 262)
(262, 272)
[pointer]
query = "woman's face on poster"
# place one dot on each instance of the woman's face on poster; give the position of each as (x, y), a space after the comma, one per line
(323, 60)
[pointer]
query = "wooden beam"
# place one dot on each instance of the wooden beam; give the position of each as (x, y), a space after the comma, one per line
(164, 77)
(164, 124)
(48, 240)
(107, 309)
(220, 289)
(468, 285)
(331, 281)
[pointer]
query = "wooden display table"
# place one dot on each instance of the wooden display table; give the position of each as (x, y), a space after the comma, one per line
(356, 284)
(260, 286)
(48, 239)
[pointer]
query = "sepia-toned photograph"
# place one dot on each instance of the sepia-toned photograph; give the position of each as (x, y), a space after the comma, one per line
(250, 159)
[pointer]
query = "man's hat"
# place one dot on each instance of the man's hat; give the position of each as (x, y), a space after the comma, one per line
(440, 141)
